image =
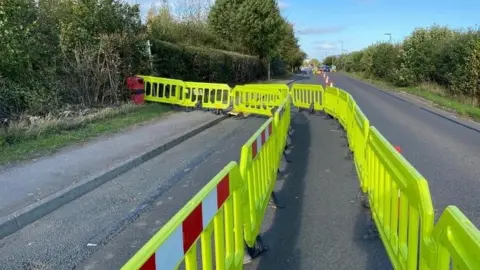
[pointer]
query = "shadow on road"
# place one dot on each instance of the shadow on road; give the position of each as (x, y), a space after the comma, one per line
(367, 239)
(283, 233)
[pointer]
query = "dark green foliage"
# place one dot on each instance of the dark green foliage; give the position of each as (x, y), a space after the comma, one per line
(450, 58)
(259, 28)
(327, 61)
(207, 65)
(63, 53)
(66, 52)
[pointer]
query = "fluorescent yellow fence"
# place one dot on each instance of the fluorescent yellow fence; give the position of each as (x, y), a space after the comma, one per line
(307, 96)
(341, 108)
(232, 205)
(215, 211)
(400, 201)
(281, 126)
(192, 96)
(359, 136)
(331, 100)
(350, 125)
(455, 240)
(212, 95)
(255, 100)
(258, 167)
(164, 90)
(273, 87)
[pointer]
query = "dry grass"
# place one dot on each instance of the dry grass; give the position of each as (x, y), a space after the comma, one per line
(31, 127)
(31, 136)
(433, 87)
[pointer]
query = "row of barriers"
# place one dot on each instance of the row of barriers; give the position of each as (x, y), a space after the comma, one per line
(228, 212)
(187, 94)
(260, 99)
(400, 200)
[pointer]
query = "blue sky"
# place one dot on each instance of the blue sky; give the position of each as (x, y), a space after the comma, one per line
(321, 25)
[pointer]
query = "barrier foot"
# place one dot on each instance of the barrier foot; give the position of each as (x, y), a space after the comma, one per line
(285, 157)
(349, 155)
(311, 109)
(363, 199)
(258, 249)
(276, 203)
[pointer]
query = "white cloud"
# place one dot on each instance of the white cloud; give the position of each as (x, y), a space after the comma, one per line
(282, 4)
(323, 46)
(320, 30)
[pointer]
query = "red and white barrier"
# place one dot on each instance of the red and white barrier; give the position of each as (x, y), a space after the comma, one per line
(261, 140)
(173, 250)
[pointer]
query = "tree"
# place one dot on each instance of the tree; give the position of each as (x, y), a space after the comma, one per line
(223, 21)
(260, 27)
(314, 62)
(290, 51)
(256, 24)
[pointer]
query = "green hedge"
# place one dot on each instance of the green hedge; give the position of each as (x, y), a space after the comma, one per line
(450, 58)
(204, 65)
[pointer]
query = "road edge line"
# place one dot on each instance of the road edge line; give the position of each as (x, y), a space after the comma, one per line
(21, 218)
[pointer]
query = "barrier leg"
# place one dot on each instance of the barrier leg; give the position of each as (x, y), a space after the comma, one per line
(285, 156)
(258, 249)
(275, 201)
(311, 109)
(363, 199)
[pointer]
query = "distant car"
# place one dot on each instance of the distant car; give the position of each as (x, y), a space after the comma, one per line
(326, 69)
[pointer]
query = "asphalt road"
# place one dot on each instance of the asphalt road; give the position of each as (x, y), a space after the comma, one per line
(443, 148)
(112, 218)
(323, 224)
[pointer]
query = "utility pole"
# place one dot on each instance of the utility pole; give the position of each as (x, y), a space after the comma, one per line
(390, 35)
(341, 41)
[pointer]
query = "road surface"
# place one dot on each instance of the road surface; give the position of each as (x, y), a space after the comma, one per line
(443, 148)
(323, 224)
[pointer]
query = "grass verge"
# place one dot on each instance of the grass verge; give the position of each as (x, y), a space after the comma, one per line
(438, 98)
(29, 138)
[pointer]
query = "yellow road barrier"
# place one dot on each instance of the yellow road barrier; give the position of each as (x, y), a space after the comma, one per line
(282, 123)
(307, 96)
(331, 99)
(400, 202)
(164, 90)
(212, 95)
(255, 100)
(341, 109)
(215, 211)
(350, 128)
(231, 207)
(282, 88)
(258, 165)
(455, 240)
(359, 135)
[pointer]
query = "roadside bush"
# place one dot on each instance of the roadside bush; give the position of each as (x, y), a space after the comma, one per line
(459, 65)
(429, 56)
(422, 49)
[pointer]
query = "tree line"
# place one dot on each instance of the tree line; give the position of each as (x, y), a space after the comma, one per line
(437, 55)
(57, 54)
